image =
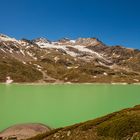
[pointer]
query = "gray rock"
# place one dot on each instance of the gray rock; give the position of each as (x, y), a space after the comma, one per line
(24, 131)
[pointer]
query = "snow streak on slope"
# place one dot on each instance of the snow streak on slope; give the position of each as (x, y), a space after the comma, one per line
(6, 38)
(80, 48)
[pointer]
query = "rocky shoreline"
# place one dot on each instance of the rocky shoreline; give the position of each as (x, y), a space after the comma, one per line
(70, 83)
(121, 125)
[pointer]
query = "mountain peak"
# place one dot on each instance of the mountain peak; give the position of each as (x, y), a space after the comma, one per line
(41, 40)
(63, 40)
(88, 41)
(6, 38)
(81, 60)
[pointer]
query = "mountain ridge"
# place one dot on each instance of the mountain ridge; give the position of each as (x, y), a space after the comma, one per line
(84, 60)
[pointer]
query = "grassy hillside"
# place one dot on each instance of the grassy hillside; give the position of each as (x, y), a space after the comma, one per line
(122, 125)
(18, 71)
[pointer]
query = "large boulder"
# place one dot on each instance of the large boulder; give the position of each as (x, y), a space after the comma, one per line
(24, 131)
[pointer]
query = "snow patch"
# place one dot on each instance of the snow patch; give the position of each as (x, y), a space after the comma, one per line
(24, 62)
(30, 54)
(56, 59)
(6, 38)
(11, 51)
(8, 80)
(136, 80)
(3, 50)
(38, 66)
(73, 54)
(69, 67)
(22, 52)
(105, 74)
(72, 41)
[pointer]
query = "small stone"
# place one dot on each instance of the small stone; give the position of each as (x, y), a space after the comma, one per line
(68, 133)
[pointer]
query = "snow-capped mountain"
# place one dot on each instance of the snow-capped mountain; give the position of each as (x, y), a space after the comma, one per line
(66, 60)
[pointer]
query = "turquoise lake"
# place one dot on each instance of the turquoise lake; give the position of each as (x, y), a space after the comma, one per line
(62, 105)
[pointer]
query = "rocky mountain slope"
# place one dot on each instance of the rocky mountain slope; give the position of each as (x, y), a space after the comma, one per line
(85, 60)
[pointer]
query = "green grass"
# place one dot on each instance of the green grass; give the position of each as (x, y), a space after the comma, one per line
(18, 71)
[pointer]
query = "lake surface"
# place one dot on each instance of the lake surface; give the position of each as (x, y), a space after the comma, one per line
(62, 105)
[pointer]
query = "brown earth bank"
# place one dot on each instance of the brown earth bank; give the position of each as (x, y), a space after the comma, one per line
(121, 125)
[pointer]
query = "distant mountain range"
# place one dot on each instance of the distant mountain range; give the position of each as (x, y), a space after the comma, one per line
(84, 60)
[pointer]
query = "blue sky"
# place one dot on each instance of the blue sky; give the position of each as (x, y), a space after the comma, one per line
(115, 22)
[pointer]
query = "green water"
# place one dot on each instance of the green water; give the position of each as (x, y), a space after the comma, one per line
(62, 105)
